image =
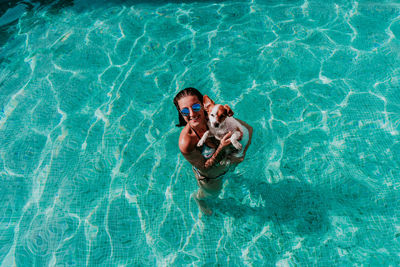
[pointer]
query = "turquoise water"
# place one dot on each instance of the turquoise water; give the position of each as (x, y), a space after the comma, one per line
(90, 170)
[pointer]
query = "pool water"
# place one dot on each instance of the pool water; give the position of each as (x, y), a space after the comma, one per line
(90, 170)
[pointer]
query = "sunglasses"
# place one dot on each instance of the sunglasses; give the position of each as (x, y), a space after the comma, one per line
(185, 111)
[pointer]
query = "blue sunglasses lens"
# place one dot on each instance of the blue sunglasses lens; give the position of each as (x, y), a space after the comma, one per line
(196, 108)
(185, 112)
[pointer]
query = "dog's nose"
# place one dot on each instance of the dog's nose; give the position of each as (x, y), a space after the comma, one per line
(216, 125)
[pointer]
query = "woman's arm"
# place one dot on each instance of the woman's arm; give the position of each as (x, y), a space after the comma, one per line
(195, 158)
(250, 129)
(216, 157)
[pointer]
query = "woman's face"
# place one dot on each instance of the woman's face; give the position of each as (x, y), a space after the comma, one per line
(194, 118)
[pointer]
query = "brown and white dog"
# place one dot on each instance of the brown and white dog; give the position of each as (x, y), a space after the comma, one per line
(220, 122)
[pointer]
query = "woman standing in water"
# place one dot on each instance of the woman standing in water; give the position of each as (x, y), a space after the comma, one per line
(205, 160)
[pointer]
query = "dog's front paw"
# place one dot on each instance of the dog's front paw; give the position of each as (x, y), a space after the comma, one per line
(237, 145)
(200, 143)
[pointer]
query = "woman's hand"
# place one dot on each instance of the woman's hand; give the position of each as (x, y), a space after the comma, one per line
(226, 141)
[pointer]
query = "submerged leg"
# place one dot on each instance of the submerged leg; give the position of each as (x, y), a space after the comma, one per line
(209, 189)
(200, 200)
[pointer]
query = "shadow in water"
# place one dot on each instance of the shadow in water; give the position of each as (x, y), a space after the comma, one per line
(293, 204)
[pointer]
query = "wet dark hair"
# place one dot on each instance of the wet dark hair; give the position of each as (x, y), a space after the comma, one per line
(190, 91)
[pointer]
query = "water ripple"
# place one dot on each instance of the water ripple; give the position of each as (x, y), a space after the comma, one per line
(89, 166)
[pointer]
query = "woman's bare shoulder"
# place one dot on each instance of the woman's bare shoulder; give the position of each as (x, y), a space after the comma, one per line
(187, 144)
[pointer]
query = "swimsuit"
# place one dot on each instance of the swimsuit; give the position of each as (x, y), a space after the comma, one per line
(207, 153)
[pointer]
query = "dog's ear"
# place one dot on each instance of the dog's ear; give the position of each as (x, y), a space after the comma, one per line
(207, 102)
(229, 110)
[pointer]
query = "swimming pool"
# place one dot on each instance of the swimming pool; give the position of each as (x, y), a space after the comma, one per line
(90, 169)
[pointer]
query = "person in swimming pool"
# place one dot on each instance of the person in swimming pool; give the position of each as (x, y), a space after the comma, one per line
(205, 160)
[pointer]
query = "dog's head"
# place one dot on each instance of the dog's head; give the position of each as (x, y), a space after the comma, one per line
(216, 113)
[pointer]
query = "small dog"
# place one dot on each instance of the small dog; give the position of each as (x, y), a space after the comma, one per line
(220, 123)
